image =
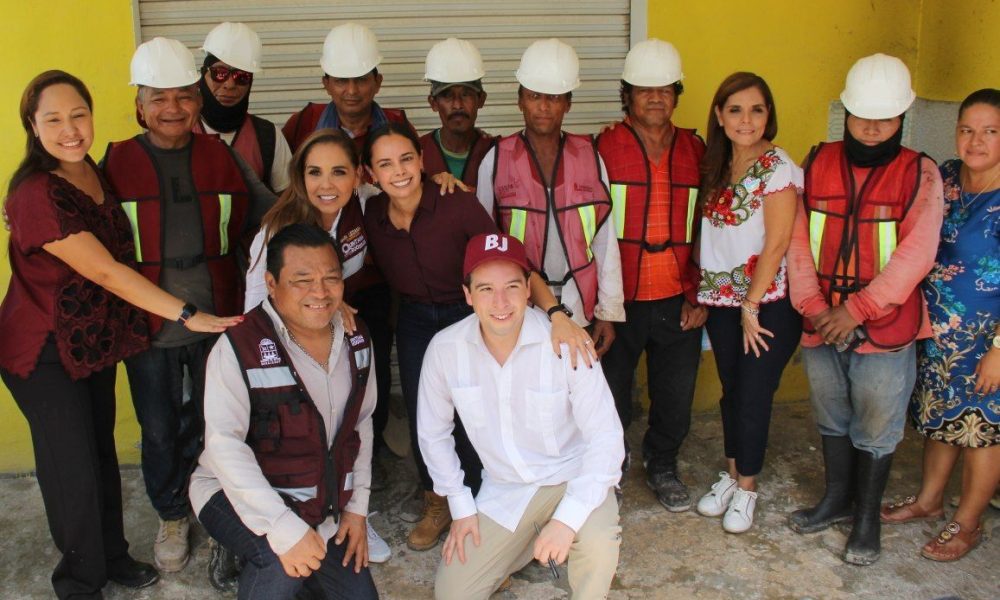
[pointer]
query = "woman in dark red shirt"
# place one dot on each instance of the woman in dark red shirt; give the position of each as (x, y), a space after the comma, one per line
(66, 321)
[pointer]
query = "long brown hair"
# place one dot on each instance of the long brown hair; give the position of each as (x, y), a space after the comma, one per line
(36, 157)
(293, 206)
(719, 150)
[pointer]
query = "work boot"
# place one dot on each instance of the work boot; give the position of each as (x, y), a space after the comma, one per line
(435, 520)
(835, 506)
(669, 490)
(863, 545)
(170, 551)
(223, 567)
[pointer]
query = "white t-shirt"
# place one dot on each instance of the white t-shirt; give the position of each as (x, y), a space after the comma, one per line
(732, 231)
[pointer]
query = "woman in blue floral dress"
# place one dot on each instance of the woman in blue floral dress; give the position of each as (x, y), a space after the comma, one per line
(956, 402)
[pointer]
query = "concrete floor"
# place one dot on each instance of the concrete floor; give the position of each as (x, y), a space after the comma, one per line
(663, 555)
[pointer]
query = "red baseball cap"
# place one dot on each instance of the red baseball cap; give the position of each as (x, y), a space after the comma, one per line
(493, 246)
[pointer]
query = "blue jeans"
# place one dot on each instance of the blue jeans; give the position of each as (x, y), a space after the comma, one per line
(417, 324)
(264, 578)
(172, 429)
(863, 396)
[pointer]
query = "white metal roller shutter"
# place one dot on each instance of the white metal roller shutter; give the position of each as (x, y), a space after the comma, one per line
(293, 32)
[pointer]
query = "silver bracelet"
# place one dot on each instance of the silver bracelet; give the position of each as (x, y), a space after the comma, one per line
(749, 309)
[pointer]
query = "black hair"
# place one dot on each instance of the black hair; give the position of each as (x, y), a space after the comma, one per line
(36, 157)
(521, 89)
(990, 96)
(389, 128)
(626, 90)
(301, 235)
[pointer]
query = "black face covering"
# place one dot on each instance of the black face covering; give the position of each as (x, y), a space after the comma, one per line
(862, 155)
(221, 118)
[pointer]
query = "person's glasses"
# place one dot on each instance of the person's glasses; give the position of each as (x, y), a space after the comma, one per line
(221, 74)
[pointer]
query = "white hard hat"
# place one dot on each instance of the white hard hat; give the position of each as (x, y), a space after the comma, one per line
(236, 45)
(454, 61)
(549, 67)
(878, 87)
(350, 50)
(652, 63)
(163, 63)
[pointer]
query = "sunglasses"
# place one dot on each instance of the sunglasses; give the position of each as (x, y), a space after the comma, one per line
(221, 74)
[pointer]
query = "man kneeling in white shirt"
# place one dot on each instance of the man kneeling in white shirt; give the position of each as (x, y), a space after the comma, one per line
(284, 477)
(548, 435)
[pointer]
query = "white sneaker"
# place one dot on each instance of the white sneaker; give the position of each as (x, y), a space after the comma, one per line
(739, 516)
(378, 550)
(170, 550)
(717, 500)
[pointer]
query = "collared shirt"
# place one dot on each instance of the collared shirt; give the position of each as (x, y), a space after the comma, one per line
(424, 264)
(659, 273)
(535, 421)
(610, 304)
(228, 463)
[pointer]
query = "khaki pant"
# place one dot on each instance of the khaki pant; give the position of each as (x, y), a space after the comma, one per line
(593, 557)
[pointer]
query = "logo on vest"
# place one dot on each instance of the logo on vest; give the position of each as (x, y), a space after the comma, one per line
(577, 187)
(268, 353)
(494, 241)
(506, 190)
(357, 340)
(353, 243)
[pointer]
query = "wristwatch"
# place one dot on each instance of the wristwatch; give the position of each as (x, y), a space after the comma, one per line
(996, 341)
(559, 308)
(186, 313)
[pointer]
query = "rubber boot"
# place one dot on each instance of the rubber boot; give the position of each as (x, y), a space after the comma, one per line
(863, 545)
(835, 506)
(436, 520)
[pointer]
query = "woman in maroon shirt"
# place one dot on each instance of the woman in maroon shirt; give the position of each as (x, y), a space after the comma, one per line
(66, 321)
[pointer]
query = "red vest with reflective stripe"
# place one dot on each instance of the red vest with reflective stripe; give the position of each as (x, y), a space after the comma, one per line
(629, 174)
(853, 230)
(287, 433)
(581, 202)
(222, 196)
(434, 161)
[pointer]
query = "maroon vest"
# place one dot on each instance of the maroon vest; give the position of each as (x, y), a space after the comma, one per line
(224, 200)
(434, 161)
(258, 153)
(287, 433)
(301, 124)
(359, 268)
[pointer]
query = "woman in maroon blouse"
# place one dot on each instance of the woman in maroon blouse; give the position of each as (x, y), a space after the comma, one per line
(68, 317)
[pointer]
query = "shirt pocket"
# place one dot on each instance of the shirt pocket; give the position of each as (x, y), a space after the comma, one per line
(542, 416)
(469, 406)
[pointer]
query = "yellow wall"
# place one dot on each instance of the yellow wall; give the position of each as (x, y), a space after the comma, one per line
(959, 53)
(92, 40)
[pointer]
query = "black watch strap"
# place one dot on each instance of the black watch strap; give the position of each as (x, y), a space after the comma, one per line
(187, 312)
(559, 308)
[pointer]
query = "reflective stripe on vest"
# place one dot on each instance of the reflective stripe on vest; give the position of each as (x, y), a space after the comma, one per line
(225, 213)
(619, 192)
(518, 221)
(588, 218)
(129, 206)
(692, 201)
(817, 225)
(886, 242)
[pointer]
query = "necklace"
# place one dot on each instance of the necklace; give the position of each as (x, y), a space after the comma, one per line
(962, 192)
(324, 363)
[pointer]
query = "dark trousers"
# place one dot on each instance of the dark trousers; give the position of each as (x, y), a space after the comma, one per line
(418, 322)
(672, 357)
(748, 382)
(172, 429)
(263, 577)
(72, 431)
(373, 306)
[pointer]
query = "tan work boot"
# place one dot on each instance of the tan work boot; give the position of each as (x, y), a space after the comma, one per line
(170, 551)
(436, 519)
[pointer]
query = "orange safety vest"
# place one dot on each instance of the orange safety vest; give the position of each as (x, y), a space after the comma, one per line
(854, 229)
(578, 196)
(629, 175)
(224, 199)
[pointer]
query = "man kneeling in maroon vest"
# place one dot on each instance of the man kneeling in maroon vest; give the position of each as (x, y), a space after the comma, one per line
(288, 432)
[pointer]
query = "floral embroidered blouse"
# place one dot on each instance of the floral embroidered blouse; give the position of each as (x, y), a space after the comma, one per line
(732, 231)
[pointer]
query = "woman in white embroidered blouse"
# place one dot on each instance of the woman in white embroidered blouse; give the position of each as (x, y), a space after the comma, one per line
(748, 195)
